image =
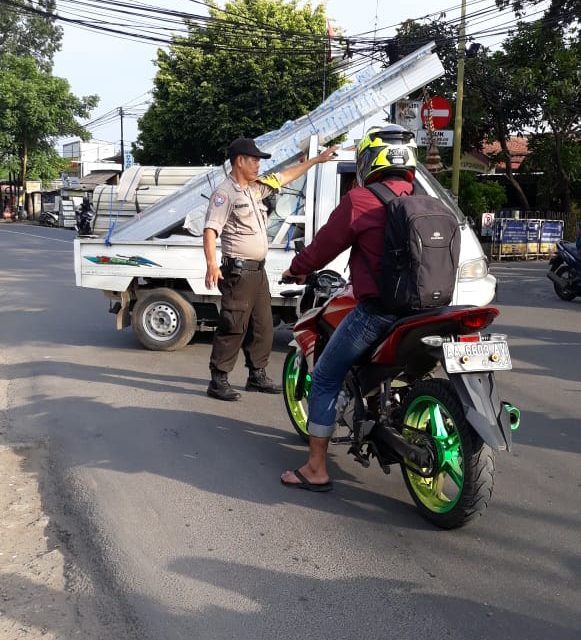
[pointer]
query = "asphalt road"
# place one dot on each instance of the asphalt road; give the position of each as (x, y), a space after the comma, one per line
(174, 498)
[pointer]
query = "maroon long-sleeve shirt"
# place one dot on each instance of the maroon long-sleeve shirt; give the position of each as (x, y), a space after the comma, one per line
(357, 222)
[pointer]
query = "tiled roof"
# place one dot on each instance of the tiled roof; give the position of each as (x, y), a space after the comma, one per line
(518, 147)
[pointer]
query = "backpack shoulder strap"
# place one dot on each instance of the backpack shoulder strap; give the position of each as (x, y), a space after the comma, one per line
(385, 196)
(383, 193)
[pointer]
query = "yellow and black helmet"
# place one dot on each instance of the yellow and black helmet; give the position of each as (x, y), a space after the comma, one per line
(385, 151)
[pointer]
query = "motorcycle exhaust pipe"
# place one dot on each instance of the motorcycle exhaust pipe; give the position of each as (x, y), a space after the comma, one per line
(513, 414)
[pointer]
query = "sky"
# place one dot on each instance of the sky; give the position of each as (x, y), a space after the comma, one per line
(121, 71)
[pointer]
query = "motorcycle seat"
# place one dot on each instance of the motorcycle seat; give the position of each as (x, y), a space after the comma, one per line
(434, 313)
(427, 314)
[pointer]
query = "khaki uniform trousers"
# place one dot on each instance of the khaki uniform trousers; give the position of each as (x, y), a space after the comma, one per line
(245, 321)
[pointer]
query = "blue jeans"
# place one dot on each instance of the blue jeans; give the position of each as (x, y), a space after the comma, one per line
(354, 336)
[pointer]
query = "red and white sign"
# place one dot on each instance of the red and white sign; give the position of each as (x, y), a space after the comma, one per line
(441, 112)
(487, 223)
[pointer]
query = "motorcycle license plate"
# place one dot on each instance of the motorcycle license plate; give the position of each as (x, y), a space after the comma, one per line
(462, 357)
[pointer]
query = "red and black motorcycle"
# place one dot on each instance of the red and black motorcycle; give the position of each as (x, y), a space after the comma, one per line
(423, 398)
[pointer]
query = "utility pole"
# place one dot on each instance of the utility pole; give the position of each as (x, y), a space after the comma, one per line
(122, 144)
(459, 98)
(325, 54)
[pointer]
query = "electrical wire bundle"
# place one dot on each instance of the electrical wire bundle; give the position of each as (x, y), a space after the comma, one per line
(138, 21)
(229, 31)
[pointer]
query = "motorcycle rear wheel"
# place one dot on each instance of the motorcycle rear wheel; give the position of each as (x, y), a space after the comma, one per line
(564, 272)
(462, 486)
(297, 409)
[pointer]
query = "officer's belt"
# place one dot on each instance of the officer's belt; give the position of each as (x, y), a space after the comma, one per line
(247, 265)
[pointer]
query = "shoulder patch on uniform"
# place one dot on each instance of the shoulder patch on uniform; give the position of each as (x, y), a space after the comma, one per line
(219, 199)
(271, 180)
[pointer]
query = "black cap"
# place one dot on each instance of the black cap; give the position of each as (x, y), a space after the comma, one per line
(245, 147)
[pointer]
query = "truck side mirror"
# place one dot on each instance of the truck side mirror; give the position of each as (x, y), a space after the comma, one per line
(299, 246)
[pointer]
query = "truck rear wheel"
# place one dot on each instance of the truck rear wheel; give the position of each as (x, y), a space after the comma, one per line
(163, 320)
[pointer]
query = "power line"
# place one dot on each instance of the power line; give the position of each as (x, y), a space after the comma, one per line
(142, 22)
(229, 31)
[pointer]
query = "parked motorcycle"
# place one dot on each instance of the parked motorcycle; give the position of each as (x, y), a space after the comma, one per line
(423, 398)
(85, 218)
(565, 270)
(48, 219)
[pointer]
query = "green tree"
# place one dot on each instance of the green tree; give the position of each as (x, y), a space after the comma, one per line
(27, 29)
(252, 67)
(546, 64)
(36, 108)
(474, 197)
(540, 161)
(503, 105)
(559, 12)
(410, 36)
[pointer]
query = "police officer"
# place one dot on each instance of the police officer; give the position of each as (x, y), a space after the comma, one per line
(238, 215)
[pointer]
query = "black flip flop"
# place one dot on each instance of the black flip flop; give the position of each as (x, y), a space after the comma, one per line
(305, 484)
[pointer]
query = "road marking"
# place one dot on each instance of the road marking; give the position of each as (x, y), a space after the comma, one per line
(33, 235)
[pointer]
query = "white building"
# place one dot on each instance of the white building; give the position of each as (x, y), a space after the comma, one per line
(85, 157)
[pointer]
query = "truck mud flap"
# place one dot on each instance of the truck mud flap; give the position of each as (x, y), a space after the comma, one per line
(121, 310)
(483, 408)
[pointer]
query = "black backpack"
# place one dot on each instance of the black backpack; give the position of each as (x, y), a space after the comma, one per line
(421, 252)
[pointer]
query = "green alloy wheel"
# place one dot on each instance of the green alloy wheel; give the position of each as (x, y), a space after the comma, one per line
(297, 409)
(462, 485)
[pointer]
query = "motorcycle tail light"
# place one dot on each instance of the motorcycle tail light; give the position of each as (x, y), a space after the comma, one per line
(478, 319)
(469, 338)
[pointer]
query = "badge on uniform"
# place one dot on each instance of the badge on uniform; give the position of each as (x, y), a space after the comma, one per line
(219, 200)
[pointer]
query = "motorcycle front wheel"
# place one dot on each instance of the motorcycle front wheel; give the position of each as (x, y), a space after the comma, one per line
(564, 272)
(462, 486)
(294, 378)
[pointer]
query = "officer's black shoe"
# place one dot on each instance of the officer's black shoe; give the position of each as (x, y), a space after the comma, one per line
(220, 388)
(259, 381)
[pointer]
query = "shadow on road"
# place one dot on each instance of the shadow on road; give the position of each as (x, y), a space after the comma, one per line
(214, 453)
(266, 604)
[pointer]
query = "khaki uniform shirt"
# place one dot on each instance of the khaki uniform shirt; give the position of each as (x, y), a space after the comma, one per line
(239, 217)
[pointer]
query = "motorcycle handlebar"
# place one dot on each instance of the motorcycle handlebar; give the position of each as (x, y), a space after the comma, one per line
(288, 280)
(310, 280)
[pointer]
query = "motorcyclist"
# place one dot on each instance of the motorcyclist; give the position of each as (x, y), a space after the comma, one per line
(388, 155)
(84, 215)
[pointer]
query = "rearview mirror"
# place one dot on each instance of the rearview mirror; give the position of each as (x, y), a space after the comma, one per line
(299, 246)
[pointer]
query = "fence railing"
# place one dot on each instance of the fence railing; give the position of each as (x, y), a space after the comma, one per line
(525, 238)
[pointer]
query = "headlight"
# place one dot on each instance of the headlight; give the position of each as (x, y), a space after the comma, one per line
(473, 270)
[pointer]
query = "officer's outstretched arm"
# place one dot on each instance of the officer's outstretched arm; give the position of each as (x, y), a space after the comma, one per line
(297, 170)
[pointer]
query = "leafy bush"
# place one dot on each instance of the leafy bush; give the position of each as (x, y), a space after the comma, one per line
(476, 197)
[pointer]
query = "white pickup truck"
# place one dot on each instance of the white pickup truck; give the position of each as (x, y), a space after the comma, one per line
(157, 285)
